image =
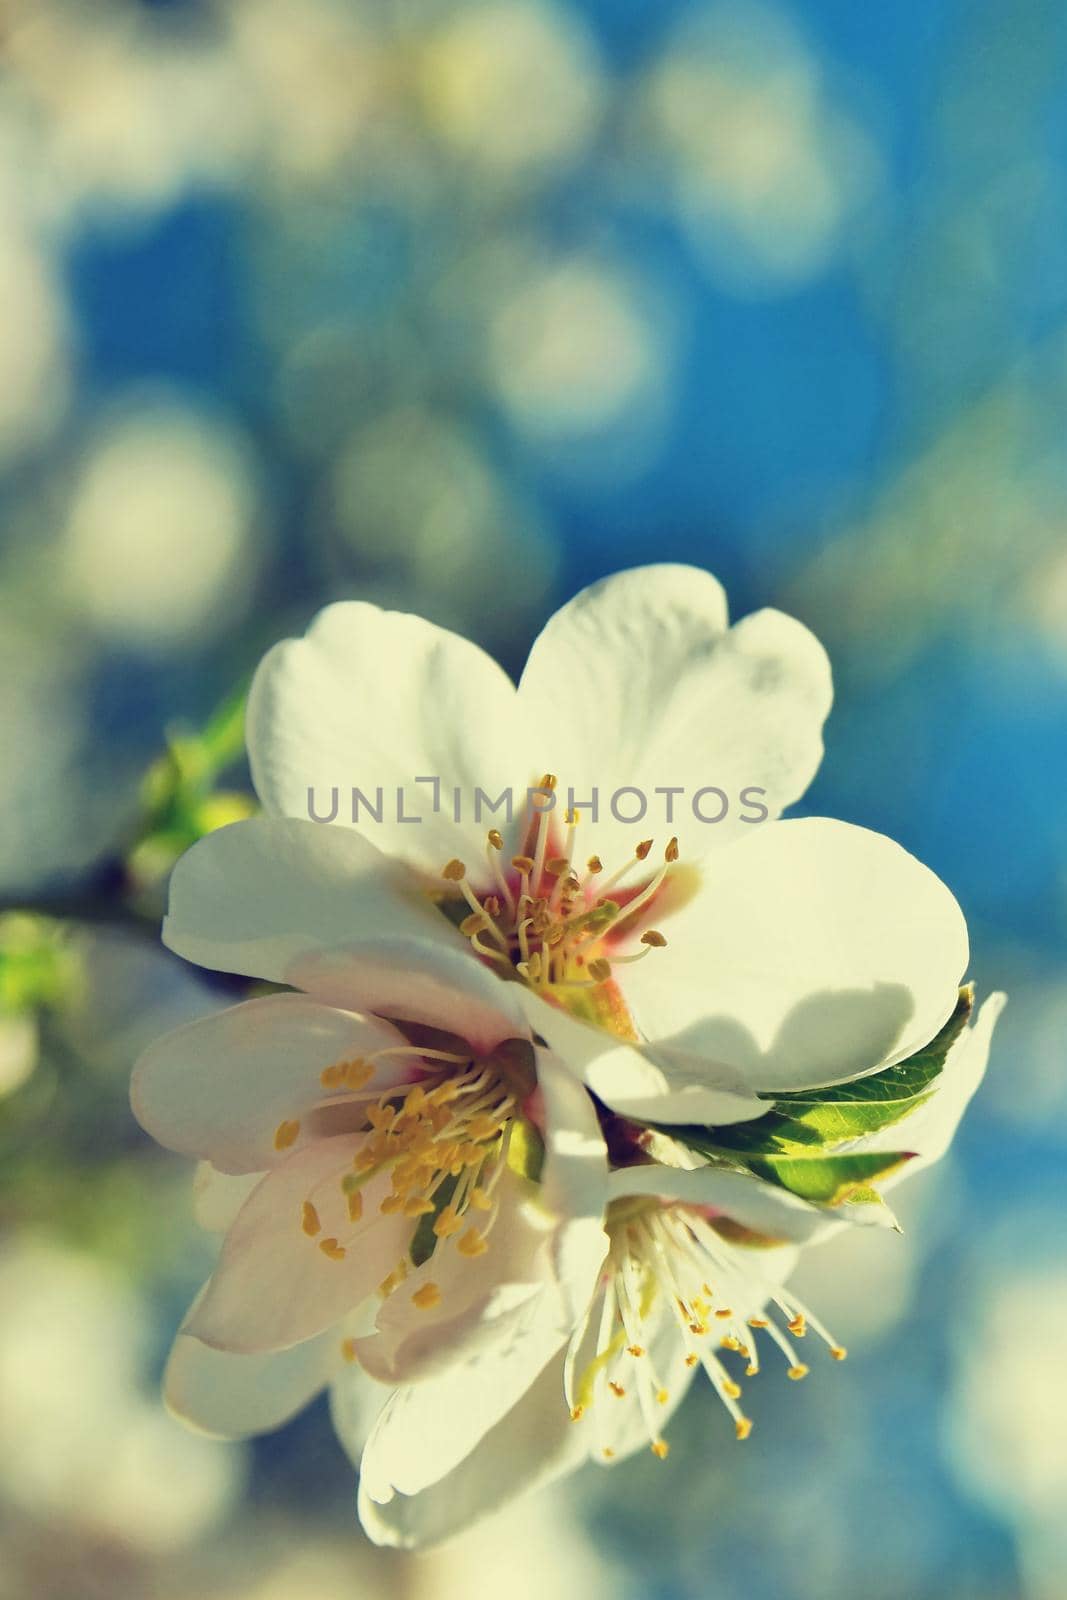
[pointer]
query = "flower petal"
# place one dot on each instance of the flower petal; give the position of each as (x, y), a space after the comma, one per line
(235, 1396)
(356, 1402)
(221, 1086)
(546, 1245)
(576, 1160)
(321, 909)
(644, 685)
(219, 1196)
(534, 1443)
(431, 981)
(813, 952)
(257, 896)
(273, 1286)
(650, 1084)
(428, 1428)
(537, 1274)
(378, 699)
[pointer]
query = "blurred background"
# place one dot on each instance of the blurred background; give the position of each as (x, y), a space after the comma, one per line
(456, 307)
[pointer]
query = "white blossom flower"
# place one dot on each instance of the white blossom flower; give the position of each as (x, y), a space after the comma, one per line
(693, 1279)
(378, 1196)
(450, 978)
(748, 957)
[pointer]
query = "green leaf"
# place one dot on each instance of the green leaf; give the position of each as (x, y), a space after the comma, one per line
(823, 1179)
(828, 1180)
(37, 965)
(223, 736)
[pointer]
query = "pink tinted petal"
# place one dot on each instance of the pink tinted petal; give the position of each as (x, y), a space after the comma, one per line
(221, 1087)
(436, 983)
(273, 1285)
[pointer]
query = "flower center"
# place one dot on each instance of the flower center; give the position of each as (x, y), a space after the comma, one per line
(442, 1141)
(562, 928)
(671, 1280)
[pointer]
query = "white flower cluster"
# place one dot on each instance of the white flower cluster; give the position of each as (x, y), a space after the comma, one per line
(539, 1120)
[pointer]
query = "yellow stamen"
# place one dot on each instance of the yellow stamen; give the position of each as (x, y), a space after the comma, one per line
(453, 871)
(426, 1297)
(309, 1220)
(286, 1134)
(472, 1243)
(661, 1448)
(743, 1427)
(798, 1372)
(333, 1249)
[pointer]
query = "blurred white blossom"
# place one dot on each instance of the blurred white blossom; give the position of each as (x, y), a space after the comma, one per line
(766, 169)
(81, 1432)
(513, 87)
(158, 545)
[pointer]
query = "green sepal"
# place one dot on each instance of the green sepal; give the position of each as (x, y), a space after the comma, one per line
(424, 1240)
(829, 1180)
(823, 1179)
(796, 1143)
(526, 1150)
